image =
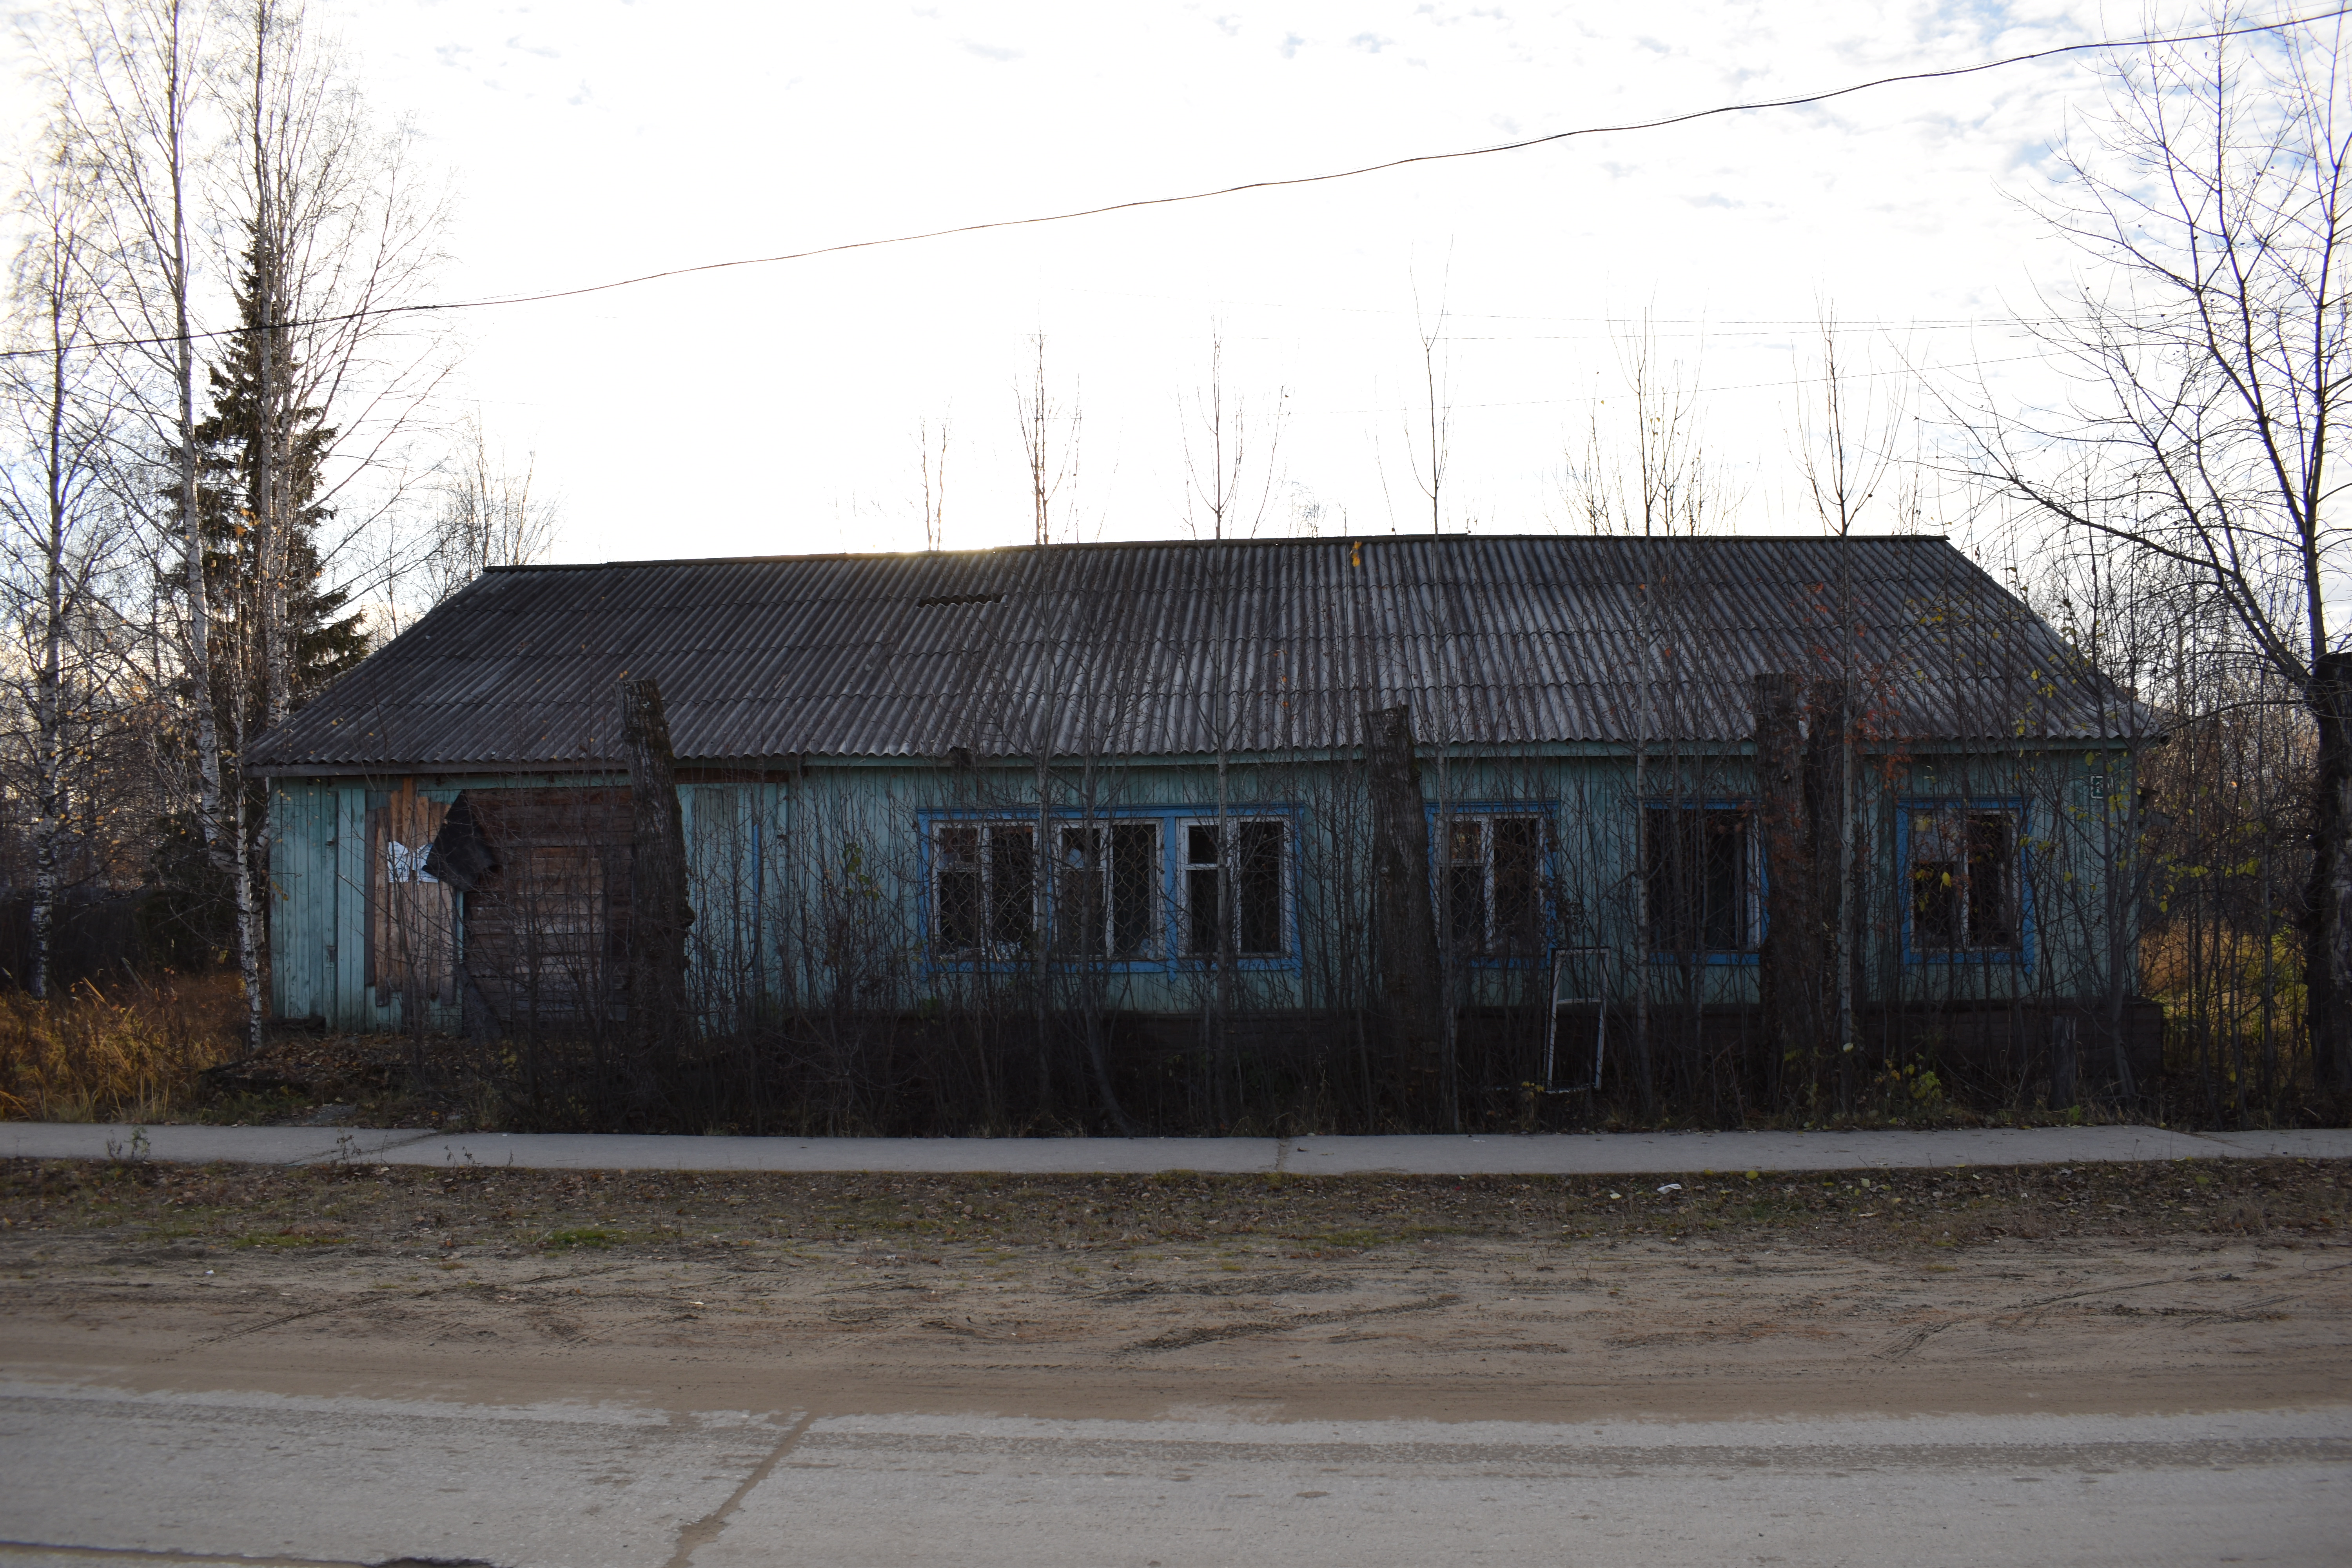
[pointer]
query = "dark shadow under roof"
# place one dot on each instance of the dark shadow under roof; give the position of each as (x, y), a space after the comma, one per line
(1168, 648)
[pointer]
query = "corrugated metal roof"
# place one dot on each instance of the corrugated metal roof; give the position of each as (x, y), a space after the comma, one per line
(1171, 647)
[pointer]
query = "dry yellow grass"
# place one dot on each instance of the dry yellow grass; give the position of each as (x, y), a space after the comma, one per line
(128, 1053)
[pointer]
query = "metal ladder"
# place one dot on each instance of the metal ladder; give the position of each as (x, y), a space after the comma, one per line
(1577, 971)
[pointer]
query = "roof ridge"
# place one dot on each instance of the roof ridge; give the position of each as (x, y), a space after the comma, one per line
(1292, 542)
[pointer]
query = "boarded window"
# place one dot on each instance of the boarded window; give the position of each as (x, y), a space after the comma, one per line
(412, 936)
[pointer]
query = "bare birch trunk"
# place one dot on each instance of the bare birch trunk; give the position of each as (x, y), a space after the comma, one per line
(268, 541)
(268, 544)
(48, 805)
(227, 852)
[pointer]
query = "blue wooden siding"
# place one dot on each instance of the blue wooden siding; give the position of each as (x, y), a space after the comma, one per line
(803, 886)
(303, 907)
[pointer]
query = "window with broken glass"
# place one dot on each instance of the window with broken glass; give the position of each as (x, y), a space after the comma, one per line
(1961, 863)
(984, 888)
(1106, 889)
(1236, 887)
(1699, 879)
(1097, 896)
(1491, 882)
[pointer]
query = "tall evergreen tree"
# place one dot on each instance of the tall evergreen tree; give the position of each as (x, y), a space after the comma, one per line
(324, 635)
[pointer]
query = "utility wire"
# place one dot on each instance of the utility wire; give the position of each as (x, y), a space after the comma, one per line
(1297, 180)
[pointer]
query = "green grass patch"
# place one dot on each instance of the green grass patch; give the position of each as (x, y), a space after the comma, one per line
(286, 1240)
(595, 1236)
(1358, 1240)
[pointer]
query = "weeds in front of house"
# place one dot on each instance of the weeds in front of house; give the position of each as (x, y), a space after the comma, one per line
(133, 1051)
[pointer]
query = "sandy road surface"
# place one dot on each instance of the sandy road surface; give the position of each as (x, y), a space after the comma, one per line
(2122, 1388)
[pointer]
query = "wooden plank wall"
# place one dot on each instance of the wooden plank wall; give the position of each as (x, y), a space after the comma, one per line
(304, 908)
(546, 929)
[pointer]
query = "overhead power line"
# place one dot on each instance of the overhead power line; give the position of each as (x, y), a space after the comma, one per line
(1272, 184)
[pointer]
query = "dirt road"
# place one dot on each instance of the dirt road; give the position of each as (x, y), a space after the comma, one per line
(2114, 1288)
(1036, 1312)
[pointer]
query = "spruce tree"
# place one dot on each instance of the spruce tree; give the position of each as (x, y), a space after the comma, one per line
(324, 635)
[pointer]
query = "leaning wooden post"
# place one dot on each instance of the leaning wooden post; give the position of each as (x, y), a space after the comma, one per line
(659, 912)
(1406, 927)
(1781, 978)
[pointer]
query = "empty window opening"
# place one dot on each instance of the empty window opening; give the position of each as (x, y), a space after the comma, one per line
(985, 887)
(1697, 879)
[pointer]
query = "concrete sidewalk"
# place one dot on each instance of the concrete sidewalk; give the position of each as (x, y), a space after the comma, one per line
(1632, 1153)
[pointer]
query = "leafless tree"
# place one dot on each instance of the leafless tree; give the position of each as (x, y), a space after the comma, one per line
(932, 458)
(129, 84)
(1647, 471)
(1216, 472)
(1431, 451)
(1049, 440)
(2212, 361)
(489, 515)
(64, 532)
(1847, 450)
(336, 232)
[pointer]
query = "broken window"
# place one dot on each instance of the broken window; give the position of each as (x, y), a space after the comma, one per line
(984, 887)
(1697, 879)
(1491, 882)
(412, 913)
(1106, 889)
(1234, 887)
(1963, 873)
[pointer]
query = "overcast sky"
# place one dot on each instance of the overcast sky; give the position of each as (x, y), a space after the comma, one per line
(772, 409)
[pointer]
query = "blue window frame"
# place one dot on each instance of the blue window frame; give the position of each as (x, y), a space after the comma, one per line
(1493, 870)
(1134, 889)
(1702, 881)
(1966, 896)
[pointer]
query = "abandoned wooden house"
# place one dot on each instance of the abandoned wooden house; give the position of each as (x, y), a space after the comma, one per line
(1803, 790)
